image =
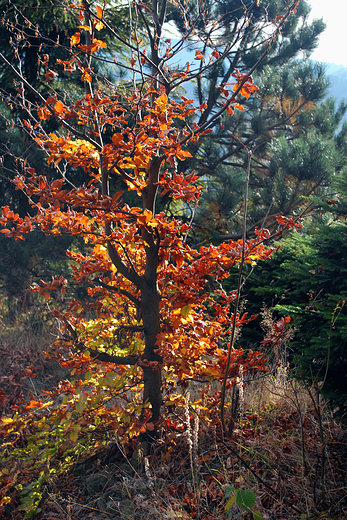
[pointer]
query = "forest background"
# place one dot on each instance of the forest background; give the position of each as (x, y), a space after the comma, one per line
(273, 158)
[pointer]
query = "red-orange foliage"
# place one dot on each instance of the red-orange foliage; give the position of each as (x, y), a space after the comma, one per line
(150, 322)
(136, 253)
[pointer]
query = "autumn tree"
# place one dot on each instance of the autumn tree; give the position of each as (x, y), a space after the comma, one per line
(149, 323)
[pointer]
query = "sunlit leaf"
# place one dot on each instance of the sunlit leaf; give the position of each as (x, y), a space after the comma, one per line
(75, 39)
(59, 107)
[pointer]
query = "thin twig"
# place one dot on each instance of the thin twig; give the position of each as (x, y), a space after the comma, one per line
(233, 330)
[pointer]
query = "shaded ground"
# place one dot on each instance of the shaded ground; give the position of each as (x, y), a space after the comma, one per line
(284, 447)
(277, 451)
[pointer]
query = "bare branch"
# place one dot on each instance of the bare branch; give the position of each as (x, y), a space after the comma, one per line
(74, 132)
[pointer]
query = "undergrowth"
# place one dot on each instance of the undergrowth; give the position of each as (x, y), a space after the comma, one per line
(286, 457)
(275, 451)
(289, 462)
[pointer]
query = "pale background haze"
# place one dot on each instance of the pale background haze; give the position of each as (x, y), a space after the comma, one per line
(333, 42)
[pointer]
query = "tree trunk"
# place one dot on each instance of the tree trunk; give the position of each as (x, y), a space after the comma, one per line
(151, 375)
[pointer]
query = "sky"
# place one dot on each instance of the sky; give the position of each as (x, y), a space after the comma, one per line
(332, 43)
(332, 47)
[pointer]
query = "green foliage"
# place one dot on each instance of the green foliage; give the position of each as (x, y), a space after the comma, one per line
(244, 498)
(319, 348)
(31, 496)
(297, 145)
(306, 279)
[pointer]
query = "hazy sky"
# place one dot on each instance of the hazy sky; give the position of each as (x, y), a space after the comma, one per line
(333, 45)
(333, 42)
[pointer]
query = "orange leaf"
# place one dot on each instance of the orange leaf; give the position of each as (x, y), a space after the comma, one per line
(117, 139)
(59, 107)
(86, 77)
(85, 27)
(33, 404)
(245, 93)
(75, 39)
(207, 131)
(238, 106)
(45, 294)
(181, 154)
(50, 74)
(44, 113)
(99, 11)
(96, 45)
(5, 210)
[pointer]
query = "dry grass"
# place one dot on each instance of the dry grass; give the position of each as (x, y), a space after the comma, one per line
(24, 369)
(302, 455)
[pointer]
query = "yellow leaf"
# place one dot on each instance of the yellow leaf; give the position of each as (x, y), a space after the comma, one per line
(86, 77)
(73, 436)
(6, 420)
(99, 26)
(162, 102)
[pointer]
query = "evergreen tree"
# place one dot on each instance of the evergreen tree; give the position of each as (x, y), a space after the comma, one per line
(289, 125)
(292, 131)
(306, 280)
